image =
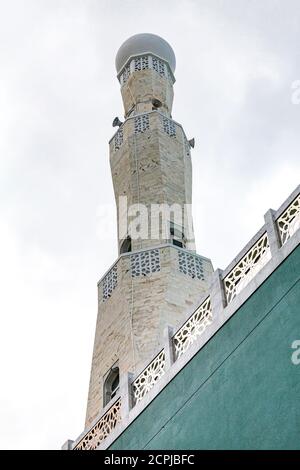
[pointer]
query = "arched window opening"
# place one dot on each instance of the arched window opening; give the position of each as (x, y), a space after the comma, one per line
(111, 385)
(126, 245)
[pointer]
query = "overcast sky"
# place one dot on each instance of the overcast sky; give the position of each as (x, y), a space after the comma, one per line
(237, 61)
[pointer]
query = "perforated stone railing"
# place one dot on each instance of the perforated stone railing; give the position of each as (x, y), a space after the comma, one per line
(101, 429)
(145, 263)
(118, 139)
(148, 378)
(270, 243)
(109, 283)
(169, 126)
(192, 328)
(141, 63)
(139, 124)
(245, 270)
(289, 221)
(191, 265)
(145, 62)
(125, 74)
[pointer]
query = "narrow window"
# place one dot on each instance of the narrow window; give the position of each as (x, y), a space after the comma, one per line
(176, 235)
(126, 245)
(111, 385)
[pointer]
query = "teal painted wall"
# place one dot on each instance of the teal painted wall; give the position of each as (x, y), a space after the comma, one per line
(241, 391)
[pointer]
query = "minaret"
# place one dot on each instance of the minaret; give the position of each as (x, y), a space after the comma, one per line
(158, 276)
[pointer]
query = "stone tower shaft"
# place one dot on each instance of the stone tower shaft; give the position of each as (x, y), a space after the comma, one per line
(157, 276)
(150, 155)
(151, 166)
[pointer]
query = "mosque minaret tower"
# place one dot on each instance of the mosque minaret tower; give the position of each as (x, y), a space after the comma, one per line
(157, 276)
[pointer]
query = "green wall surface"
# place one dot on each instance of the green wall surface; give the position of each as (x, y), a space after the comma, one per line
(241, 390)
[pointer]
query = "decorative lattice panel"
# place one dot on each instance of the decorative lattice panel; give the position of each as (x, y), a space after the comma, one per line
(141, 123)
(110, 283)
(141, 63)
(146, 262)
(192, 328)
(289, 222)
(101, 429)
(118, 139)
(187, 148)
(125, 75)
(169, 127)
(159, 66)
(253, 261)
(148, 378)
(190, 265)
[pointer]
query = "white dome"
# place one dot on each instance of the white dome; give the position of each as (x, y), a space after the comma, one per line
(142, 43)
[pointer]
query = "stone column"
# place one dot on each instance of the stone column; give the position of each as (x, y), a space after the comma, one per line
(168, 346)
(273, 235)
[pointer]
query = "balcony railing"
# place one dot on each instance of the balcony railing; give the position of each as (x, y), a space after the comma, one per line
(101, 429)
(148, 377)
(247, 268)
(289, 221)
(192, 328)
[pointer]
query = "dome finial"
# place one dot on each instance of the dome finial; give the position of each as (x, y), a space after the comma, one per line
(142, 43)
